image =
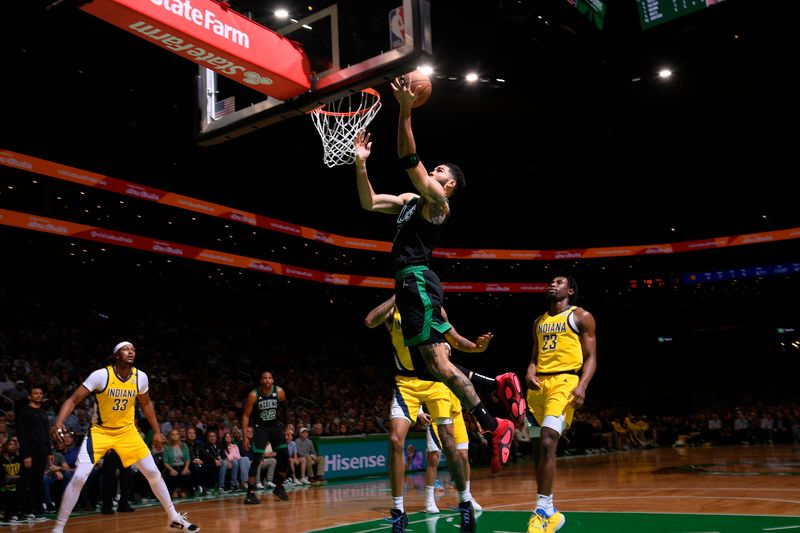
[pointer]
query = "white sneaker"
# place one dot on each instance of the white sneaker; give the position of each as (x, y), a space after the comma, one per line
(181, 522)
(430, 507)
(305, 481)
(260, 486)
(476, 506)
(270, 485)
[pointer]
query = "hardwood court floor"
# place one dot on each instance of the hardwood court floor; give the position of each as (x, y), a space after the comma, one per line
(690, 484)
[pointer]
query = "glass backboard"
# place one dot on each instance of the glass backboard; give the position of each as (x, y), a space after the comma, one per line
(351, 45)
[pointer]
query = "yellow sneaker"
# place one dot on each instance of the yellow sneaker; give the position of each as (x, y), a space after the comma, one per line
(536, 522)
(539, 522)
(555, 522)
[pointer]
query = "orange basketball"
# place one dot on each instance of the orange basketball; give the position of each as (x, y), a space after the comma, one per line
(419, 84)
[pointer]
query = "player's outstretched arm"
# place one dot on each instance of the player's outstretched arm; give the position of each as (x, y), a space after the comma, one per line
(462, 344)
(380, 314)
(58, 430)
(370, 200)
(428, 187)
(246, 411)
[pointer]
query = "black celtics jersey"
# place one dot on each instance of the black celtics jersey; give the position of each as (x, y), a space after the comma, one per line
(266, 408)
(415, 238)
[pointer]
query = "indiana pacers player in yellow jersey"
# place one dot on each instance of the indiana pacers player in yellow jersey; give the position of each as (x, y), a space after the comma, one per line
(562, 365)
(116, 389)
(415, 386)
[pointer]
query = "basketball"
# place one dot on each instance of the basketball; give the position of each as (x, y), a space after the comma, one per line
(419, 83)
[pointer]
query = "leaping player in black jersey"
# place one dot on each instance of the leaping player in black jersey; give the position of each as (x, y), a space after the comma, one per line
(268, 429)
(418, 291)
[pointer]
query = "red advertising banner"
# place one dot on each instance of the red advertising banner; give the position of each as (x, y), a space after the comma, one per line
(214, 36)
(134, 190)
(127, 240)
(117, 238)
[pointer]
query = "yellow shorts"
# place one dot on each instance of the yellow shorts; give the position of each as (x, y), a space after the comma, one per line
(552, 399)
(459, 430)
(412, 392)
(125, 441)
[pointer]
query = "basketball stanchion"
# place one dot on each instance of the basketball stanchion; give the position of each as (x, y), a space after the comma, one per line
(339, 121)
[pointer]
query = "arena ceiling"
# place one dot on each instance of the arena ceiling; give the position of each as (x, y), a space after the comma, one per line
(581, 145)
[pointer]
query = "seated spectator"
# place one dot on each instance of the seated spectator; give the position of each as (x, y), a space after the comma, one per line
(176, 465)
(296, 463)
(55, 481)
(213, 459)
(269, 462)
(246, 456)
(315, 465)
(11, 464)
(232, 457)
(197, 465)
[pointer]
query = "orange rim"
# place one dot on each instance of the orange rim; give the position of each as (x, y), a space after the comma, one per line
(368, 90)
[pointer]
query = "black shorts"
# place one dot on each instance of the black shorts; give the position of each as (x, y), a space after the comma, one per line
(419, 297)
(274, 434)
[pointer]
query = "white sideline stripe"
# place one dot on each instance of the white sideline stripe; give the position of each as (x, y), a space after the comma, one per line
(388, 525)
(663, 497)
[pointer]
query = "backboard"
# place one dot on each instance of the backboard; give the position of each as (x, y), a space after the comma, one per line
(351, 45)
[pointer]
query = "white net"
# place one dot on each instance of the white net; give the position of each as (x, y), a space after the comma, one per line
(338, 122)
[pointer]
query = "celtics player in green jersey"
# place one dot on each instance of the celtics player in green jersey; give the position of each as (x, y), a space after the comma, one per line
(267, 400)
(563, 363)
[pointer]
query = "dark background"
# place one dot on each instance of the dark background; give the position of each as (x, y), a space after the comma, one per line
(583, 145)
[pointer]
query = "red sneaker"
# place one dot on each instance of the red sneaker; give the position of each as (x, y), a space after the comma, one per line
(510, 391)
(501, 444)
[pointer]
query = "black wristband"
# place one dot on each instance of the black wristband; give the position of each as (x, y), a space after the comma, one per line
(409, 161)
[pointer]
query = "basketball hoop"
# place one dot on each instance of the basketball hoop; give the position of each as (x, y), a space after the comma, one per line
(339, 121)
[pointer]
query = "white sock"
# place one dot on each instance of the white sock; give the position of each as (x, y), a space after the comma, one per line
(429, 490)
(545, 502)
(73, 492)
(147, 466)
(398, 503)
(469, 483)
(464, 496)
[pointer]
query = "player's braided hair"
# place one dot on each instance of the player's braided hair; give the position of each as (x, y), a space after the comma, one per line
(573, 300)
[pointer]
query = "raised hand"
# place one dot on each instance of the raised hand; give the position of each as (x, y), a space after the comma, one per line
(362, 145)
(58, 432)
(482, 342)
(404, 95)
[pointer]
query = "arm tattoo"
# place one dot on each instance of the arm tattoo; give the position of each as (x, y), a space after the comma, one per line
(443, 370)
(439, 212)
